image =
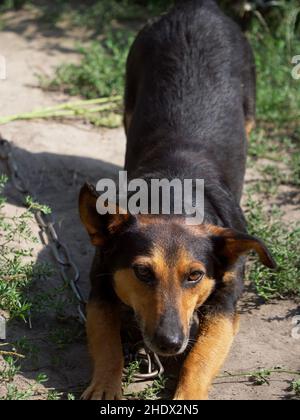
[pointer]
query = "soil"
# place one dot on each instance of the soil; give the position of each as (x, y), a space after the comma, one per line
(56, 158)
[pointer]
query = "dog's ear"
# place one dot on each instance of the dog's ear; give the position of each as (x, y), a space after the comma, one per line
(230, 245)
(98, 226)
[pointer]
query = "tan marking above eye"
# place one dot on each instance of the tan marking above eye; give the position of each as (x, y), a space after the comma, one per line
(146, 261)
(156, 262)
(186, 264)
(197, 266)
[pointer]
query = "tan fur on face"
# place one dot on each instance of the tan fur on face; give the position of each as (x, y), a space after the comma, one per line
(192, 298)
(141, 298)
(151, 302)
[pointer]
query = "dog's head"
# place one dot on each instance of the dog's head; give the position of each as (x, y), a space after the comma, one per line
(163, 269)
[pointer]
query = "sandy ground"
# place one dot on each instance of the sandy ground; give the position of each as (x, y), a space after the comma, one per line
(56, 159)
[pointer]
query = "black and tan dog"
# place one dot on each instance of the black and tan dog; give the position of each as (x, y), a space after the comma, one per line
(190, 103)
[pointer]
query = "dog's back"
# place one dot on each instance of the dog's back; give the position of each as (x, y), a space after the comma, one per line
(190, 91)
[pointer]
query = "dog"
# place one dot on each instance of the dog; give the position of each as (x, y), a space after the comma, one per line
(189, 108)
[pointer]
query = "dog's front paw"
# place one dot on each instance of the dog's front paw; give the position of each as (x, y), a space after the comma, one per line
(103, 390)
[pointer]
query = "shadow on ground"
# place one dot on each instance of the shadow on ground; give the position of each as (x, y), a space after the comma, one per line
(56, 344)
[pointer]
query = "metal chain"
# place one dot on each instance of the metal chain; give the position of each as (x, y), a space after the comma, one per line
(152, 361)
(68, 269)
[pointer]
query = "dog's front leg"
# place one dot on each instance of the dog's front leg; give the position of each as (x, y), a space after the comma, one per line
(206, 357)
(103, 331)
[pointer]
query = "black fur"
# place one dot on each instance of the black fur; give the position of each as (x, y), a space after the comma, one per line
(190, 87)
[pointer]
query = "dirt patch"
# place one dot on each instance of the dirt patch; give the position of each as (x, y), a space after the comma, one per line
(56, 159)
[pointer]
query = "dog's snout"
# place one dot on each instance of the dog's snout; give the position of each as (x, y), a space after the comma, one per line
(169, 337)
(168, 343)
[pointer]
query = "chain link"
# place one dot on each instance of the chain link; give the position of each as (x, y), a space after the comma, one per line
(68, 269)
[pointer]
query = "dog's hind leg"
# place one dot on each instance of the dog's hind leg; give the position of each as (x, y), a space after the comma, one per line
(103, 331)
(249, 88)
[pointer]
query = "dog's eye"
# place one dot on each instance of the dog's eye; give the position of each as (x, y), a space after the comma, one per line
(195, 276)
(144, 273)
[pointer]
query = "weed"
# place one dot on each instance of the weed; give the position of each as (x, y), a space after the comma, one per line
(278, 94)
(131, 370)
(16, 272)
(14, 393)
(54, 395)
(261, 377)
(152, 391)
(10, 370)
(101, 70)
(296, 387)
(284, 243)
(42, 378)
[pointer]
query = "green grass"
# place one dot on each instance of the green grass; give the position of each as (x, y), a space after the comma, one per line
(150, 392)
(275, 44)
(277, 142)
(10, 370)
(14, 393)
(278, 96)
(18, 274)
(153, 391)
(296, 387)
(17, 268)
(100, 72)
(96, 15)
(131, 370)
(284, 243)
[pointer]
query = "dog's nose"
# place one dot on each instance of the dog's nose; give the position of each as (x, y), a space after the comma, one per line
(169, 338)
(168, 343)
